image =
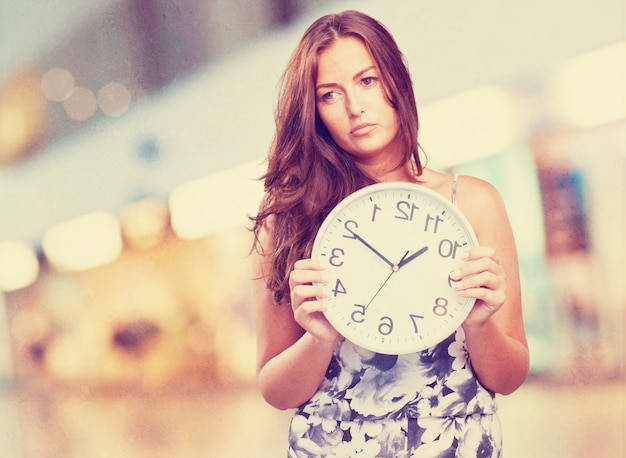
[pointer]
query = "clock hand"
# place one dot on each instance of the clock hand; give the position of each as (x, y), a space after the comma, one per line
(394, 269)
(374, 250)
(381, 287)
(405, 261)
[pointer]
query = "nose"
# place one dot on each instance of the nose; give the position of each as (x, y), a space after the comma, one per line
(354, 104)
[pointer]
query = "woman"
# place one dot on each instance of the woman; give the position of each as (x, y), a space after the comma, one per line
(346, 118)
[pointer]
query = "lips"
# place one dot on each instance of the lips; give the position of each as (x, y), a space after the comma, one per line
(362, 129)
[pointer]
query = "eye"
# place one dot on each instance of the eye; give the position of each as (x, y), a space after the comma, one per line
(329, 96)
(369, 81)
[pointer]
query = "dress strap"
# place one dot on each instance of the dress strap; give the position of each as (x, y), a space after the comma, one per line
(454, 180)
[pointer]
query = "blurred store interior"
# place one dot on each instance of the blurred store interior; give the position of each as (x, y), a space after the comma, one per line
(132, 134)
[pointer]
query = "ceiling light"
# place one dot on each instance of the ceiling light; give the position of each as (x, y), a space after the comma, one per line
(84, 243)
(19, 266)
(590, 90)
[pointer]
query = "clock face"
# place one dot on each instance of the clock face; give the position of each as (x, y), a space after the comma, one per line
(390, 248)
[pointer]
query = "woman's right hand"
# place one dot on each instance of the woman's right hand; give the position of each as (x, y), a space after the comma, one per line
(305, 282)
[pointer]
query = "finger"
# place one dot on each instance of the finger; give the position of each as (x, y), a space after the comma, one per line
(311, 307)
(301, 294)
(492, 298)
(308, 311)
(300, 277)
(309, 264)
(304, 269)
(485, 279)
(480, 252)
(483, 264)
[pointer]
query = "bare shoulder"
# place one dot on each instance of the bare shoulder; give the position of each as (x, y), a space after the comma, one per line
(477, 199)
(476, 192)
(482, 204)
(470, 191)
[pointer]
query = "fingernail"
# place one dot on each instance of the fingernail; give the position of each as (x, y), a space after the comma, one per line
(455, 274)
(465, 255)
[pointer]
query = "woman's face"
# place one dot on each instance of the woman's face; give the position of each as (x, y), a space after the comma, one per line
(351, 103)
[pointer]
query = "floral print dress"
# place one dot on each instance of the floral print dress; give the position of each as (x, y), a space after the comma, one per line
(427, 404)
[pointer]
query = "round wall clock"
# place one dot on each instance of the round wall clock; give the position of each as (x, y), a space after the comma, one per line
(390, 248)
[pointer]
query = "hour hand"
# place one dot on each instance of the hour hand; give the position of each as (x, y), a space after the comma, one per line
(405, 260)
(374, 250)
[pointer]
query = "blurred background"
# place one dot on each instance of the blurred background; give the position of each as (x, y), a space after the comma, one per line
(132, 134)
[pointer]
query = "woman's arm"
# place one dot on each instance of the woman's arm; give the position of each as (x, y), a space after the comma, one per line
(294, 343)
(494, 329)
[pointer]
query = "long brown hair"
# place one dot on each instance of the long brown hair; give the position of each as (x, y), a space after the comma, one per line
(308, 174)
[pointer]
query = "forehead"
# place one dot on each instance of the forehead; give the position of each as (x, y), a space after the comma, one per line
(346, 57)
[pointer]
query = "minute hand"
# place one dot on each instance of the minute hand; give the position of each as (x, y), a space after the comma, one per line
(405, 261)
(374, 250)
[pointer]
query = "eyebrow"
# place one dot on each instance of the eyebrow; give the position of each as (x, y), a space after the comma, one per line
(356, 76)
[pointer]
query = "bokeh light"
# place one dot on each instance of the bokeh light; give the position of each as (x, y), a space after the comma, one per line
(114, 99)
(19, 266)
(57, 84)
(23, 115)
(84, 243)
(590, 90)
(144, 223)
(81, 104)
(13, 130)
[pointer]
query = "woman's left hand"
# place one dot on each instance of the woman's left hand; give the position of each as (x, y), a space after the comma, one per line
(483, 278)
